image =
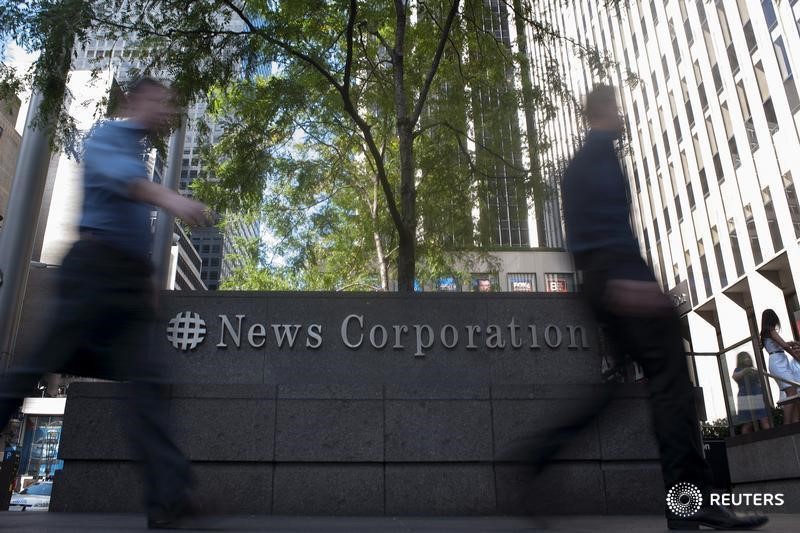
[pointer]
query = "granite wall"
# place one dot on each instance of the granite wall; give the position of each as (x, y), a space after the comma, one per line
(340, 424)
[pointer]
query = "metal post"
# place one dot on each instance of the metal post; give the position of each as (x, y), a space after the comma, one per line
(162, 242)
(19, 226)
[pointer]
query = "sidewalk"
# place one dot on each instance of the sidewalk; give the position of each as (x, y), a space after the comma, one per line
(97, 523)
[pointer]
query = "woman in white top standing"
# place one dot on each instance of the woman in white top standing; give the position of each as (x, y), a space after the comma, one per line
(779, 365)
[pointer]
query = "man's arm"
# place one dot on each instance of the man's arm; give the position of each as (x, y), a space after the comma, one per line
(190, 211)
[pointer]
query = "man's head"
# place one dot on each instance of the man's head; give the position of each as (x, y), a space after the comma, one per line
(151, 103)
(602, 111)
(484, 285)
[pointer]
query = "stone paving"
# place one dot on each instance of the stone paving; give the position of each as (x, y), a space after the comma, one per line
(91, 523)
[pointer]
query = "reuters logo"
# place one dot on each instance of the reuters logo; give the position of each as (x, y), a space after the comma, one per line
(186, 331)
(684, 499)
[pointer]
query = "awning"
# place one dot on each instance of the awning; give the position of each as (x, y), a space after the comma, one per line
(44, 406)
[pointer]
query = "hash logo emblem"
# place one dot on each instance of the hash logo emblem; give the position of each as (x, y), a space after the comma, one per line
(186, 331)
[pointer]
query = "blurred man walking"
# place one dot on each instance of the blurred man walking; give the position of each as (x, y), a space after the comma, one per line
(623, 294)
(107, 296)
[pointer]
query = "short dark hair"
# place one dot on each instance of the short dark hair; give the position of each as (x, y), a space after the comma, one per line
(598, 99)
(142, 83)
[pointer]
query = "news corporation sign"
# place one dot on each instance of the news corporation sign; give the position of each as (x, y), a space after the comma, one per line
(187, 330)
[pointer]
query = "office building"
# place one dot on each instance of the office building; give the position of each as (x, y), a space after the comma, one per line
(525, 241)
(711, 156)
(9, 148)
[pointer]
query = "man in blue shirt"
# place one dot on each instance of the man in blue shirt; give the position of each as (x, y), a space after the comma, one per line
(638, 318)
(107, 295)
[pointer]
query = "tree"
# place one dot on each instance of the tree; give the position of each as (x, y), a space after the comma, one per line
(394, 101)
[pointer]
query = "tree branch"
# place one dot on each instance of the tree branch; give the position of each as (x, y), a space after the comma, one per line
(443, 38)
(283, 45)
(348, 63)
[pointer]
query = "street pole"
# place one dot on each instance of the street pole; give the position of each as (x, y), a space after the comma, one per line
(19, 225)
(162, 241)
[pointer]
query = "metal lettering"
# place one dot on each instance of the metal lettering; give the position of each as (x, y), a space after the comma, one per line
(345, 324)
(225, 325)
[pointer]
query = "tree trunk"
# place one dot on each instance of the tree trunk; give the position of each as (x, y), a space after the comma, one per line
(408, 193)
(530, 126)
(383, 266)
(406, 256)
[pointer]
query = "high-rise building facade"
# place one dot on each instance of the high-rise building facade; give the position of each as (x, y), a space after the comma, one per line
(10, 142)
(711, 155)
(518, 226)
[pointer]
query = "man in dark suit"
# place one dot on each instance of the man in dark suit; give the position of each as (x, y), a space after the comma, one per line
(639, 319)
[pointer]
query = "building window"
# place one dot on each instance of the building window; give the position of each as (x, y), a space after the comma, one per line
(786, 72)
(703, 182)
(678, 209)
(485, 282)
(687, 28)
(690, 194)
(448, 284)
(704, 271)
(214, 261)
(557, 282)
(205, 261)
(215, 248)
(701, 92)
(662, 268)
(734, 150)
(750, 37)
(735, 249)
(718, 168)
(769, 13)
(644, 29)
(732, 59)
(522, 282)
(690, 277)
(213, 275)
(772, 220)
(40, 438)
(772, 118)
(783, 60)
(701, 11)
(204, 275)
(753, 235)
(717, 78)
(205, 249)
(723, 277)
(667, 221)
(791, 200)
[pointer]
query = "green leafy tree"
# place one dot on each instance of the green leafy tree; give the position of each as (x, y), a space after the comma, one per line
(368, 147)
